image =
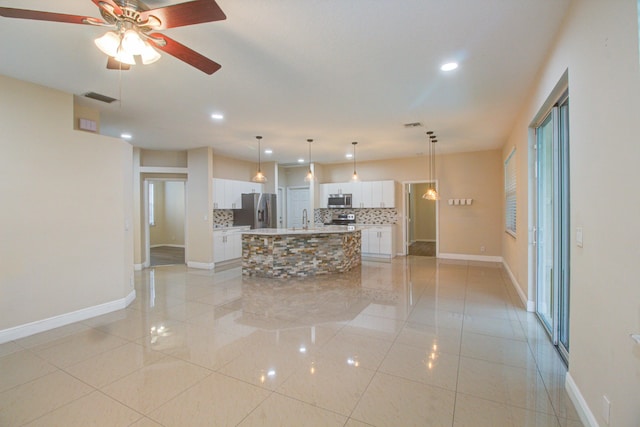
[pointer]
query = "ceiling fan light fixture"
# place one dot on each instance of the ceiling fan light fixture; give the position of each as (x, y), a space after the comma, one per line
(125, 57)
(149, 54)
(108, 43)
(132, 43)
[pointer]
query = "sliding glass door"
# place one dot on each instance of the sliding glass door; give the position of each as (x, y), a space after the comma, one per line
(552, 224)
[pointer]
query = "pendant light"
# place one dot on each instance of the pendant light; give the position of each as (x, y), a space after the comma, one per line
(309, 177)
(355, 174)
(259, 175)
(431, 193)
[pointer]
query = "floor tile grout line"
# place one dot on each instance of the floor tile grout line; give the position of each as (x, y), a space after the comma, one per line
(455, 397)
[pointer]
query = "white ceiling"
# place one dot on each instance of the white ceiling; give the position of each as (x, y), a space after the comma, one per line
(333, 70)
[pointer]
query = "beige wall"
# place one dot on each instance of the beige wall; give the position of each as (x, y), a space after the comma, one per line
(163, 158)
(85, 112)
(599, 48)
(199, 238)
(169, 214)
(477, 175)
(66, 233)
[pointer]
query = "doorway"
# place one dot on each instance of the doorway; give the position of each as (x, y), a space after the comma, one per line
(421, 230)
(552, 224)
(297, 203)
(165, 221)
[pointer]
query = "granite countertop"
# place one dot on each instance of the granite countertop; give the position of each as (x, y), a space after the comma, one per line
(229, 227)
(326, 229)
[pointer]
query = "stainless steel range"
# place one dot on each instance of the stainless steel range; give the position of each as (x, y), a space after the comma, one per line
(343, 219)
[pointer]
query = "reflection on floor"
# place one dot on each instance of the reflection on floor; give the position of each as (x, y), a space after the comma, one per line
(422, 248)
(166, 255)
(416, 341)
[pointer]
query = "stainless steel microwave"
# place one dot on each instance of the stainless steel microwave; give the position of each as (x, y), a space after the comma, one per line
(339, 201)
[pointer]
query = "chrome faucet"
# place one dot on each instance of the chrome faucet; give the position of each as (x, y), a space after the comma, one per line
(305, 220)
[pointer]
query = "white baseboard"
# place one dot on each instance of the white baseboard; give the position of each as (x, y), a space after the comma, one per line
(586, 416)
(43, 325)
(138, 267)
(469, 257)
(201, 265)
(166, 244)
(530, 305)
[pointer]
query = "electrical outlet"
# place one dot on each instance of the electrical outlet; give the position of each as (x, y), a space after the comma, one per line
(482, 249)
(606, 408)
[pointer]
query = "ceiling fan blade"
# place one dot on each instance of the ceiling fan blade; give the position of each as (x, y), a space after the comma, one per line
(113, 64)
(38, 15)
(185, 54)
(189, 13)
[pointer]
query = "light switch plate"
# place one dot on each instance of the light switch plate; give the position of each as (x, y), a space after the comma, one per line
(579, 236)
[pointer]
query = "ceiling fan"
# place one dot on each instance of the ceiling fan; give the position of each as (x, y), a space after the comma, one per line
(133, 38)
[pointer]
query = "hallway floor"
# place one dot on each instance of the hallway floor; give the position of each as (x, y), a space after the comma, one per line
(417, 341)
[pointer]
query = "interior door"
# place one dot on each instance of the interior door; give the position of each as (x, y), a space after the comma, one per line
(297, 203)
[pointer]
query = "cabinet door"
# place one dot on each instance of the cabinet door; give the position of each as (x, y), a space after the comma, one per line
(324, 195)
(385, 241)
(218, 246)
(388, 191)
(367, 194)
(356, 194)
(235, 195)
(218, 193)
(253, 187)
(234, 245)
(365, 239)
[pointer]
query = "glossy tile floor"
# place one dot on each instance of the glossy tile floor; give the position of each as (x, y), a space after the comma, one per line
(417, 341)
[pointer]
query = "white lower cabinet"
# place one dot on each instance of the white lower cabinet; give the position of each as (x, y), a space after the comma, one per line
(377, 241)
(227, 244)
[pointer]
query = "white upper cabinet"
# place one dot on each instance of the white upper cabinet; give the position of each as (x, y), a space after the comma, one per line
(227, 193)
(373, 194)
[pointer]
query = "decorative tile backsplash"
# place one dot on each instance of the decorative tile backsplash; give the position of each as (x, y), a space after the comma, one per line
(222, 217)
(363, 216)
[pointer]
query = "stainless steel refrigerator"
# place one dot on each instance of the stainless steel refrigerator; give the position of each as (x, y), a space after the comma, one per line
(258, 210)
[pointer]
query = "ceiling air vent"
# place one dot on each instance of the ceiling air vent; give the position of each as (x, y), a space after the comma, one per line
(412, 125)
(100, 97)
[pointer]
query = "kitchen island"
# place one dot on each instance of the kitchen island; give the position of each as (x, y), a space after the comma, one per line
(299, 252)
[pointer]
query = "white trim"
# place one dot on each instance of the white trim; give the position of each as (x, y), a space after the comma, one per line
(585, 414)
(424, 240)
(201, 265)
(469, 257)
(167, 244)
(163, 169)
(530, 305)
(43, 325)
(138, 267)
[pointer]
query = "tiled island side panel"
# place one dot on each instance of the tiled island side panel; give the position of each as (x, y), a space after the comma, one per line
(283, 256)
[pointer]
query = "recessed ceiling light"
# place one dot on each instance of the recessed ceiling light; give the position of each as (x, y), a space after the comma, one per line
(348, 155)
(300, 160)
(268, 151)
(125, 135)
(449, 66)
(217, 116)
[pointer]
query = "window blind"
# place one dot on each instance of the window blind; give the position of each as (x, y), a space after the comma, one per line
(510, 193)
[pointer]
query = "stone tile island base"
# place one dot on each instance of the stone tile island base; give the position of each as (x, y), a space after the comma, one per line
(282, 253)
